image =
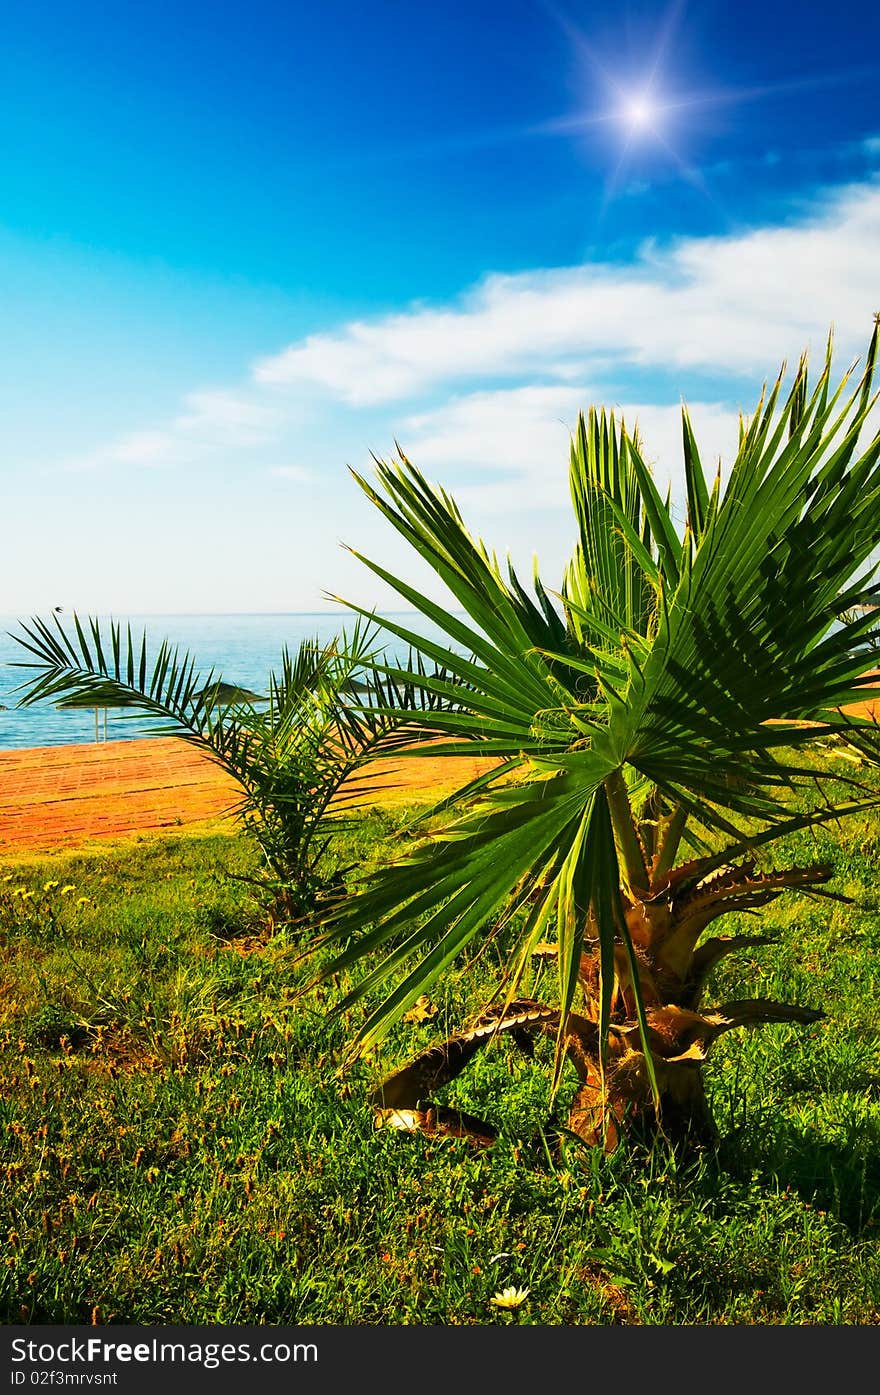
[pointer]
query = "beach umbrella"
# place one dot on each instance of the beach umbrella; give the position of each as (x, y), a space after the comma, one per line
(225, 694)
(90, 700)
(218, 694)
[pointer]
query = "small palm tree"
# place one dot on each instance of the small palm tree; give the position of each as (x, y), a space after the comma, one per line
(652, 724)
(294, 753)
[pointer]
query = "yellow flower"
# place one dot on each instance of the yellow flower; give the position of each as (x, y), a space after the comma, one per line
(50, 886)
(70, 887)
(510, 1297)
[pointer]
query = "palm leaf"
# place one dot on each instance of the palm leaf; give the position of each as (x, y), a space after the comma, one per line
(697, 668)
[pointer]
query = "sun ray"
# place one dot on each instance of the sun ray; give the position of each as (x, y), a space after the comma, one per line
(643, 112)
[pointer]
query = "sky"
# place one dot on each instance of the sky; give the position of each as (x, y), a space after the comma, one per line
(246, 249)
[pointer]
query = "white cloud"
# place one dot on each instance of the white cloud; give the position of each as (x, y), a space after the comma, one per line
(292, 472)
(211, 421)
(521, 437)
(510, 430)
(543, 340)
(738, 303)
(139, 448)
(228, 418)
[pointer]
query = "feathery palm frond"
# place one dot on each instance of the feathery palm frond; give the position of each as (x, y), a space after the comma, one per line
(293, 752)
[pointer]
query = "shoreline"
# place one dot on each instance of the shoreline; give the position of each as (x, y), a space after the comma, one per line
(58, 798)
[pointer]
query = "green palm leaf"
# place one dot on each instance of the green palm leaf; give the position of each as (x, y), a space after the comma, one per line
(695, 668)
(293, 753)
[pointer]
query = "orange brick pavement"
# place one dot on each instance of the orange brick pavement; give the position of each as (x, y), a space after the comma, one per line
(63, 796)
(60, 796)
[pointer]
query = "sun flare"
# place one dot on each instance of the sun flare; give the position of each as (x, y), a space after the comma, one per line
(639, 113)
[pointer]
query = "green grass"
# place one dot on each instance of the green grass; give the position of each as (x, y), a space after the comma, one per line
(179, 1145)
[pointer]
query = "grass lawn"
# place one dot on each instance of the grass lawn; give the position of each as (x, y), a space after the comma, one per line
(179, 1145)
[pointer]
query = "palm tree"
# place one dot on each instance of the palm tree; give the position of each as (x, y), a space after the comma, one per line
(653, 724)
(294, 753)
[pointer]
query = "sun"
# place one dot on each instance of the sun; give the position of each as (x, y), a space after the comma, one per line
(639, 113)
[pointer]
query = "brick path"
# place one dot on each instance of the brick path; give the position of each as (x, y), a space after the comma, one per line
(62, 796)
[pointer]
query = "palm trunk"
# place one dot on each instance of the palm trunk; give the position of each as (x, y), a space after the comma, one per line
(616, 1095)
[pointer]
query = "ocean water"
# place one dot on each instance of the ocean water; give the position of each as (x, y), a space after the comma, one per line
(242, 649)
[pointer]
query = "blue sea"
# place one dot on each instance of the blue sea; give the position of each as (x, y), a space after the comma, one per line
(242, 649)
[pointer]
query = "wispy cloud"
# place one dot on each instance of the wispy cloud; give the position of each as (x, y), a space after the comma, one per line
(737, 303)
(504, 451)
(509, 430)
(210, 421)
(299, 473)
(228, 417)
(484, 392)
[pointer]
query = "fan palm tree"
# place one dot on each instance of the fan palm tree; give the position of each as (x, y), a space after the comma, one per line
(294, 753)
(653, 723)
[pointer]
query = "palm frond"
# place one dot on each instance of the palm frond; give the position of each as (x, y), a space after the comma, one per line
(698, 668)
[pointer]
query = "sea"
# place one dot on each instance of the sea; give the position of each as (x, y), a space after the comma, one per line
(240, 649)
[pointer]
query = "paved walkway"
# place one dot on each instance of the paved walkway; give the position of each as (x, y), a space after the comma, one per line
(59, 796)
(63, 796)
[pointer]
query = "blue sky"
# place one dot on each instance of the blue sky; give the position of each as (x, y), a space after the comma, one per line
(243, 247)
